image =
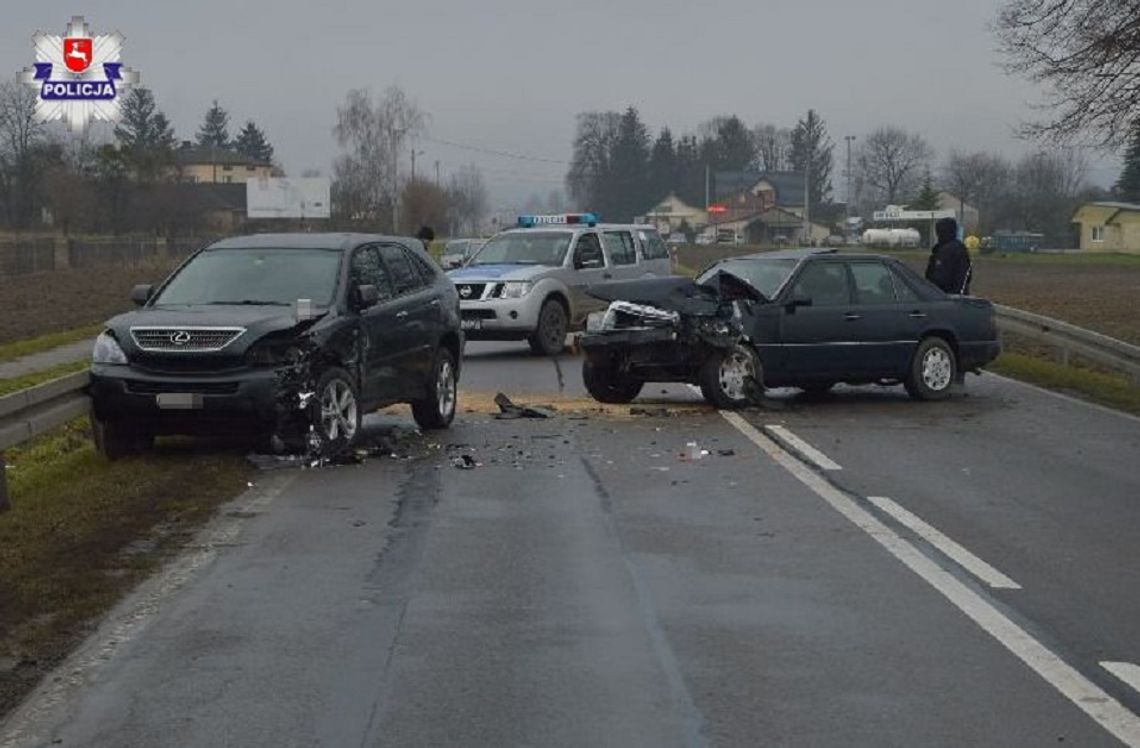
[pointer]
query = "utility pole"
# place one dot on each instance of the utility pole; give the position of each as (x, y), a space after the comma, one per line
(708, 176)
(850, 139)
(413, 163)
(437, 182)
(807, 202)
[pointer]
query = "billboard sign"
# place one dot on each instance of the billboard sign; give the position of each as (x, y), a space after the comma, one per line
(285, 197)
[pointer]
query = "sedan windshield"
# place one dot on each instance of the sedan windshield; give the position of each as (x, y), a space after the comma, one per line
(525, 248)
(255, 277)
(766, 276)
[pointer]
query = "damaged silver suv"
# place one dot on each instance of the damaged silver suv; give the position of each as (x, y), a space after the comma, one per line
(290, 337)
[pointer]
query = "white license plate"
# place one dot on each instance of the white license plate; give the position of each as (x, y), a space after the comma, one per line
(178, 400)
(471, 324)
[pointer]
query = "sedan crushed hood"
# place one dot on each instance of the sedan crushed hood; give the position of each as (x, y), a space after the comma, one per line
(677, 294)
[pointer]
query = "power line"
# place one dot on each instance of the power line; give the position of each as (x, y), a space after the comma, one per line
(493, 152)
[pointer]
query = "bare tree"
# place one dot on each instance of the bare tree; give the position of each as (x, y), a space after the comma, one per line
(773, 147)
(467, 198)
(892, 161)
(21, 134)
(976, 178)
(372, 135)
(1087, 54)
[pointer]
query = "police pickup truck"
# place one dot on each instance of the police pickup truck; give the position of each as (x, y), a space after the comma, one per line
(529, 282)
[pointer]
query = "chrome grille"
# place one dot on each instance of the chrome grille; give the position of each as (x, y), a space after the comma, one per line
(184, 339)
(470, 291)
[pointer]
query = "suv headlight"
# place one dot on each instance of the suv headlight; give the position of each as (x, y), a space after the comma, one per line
(515, 289)
(107, 350)
(273, 353)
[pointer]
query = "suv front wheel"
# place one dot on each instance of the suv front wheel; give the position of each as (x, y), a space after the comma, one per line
(336, 413)
(549, 338)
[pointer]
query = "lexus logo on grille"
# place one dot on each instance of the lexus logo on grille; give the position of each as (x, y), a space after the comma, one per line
(465, 291)
(180, 338)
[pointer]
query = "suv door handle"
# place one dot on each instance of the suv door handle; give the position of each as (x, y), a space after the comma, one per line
(401, 315)
(851, 317)
(917, 315)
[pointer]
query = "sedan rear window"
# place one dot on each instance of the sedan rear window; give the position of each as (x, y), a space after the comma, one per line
(255, 276)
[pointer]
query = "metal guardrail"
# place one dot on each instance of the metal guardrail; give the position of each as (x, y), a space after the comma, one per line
(1071, 340)
(34, 411)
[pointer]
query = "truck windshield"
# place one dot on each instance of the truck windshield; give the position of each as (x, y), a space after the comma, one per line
(525, 248)
(255, 276)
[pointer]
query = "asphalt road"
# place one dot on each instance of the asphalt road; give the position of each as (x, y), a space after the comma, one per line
(587, 586)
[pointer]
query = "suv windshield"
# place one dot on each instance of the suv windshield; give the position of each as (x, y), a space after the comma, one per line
(525, 248)
(766, 276)
(255, 276)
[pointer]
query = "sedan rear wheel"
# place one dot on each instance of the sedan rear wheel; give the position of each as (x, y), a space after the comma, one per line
(932, 370)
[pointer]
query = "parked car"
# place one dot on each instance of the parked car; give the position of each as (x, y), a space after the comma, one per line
(292, 337)
(794, 318)
(456, 252)
(529, 283)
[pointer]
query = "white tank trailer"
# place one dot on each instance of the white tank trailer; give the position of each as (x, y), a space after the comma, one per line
(893, 238)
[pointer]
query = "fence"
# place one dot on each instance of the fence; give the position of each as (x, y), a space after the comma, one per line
(1069, 340)
(26, 256)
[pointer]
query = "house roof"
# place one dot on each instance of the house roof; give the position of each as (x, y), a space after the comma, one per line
(789, 185)
(1116, 207)
(197, 154)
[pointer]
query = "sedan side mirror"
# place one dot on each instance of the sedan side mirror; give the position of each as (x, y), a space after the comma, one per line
(796, 301)
(366, 296)
(141, 293)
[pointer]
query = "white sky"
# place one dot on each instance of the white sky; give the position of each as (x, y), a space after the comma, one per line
(511, 74)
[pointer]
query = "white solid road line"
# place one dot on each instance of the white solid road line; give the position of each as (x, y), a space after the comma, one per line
(1082, 692)
(819, 459)
(967, 560)
(1126, 672)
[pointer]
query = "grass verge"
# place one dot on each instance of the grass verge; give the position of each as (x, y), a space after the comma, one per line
(8, 386)
(1106, 389)
(21, 348)
(82, 532)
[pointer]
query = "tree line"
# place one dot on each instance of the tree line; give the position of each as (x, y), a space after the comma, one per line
(129, 183)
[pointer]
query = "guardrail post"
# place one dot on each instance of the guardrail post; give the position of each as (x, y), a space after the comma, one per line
(1063, 355)
(4, 505)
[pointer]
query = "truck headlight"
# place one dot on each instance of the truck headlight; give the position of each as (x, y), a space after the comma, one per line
(515, 289)
(107, 350)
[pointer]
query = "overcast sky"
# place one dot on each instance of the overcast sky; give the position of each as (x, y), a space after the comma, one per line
(509, 75)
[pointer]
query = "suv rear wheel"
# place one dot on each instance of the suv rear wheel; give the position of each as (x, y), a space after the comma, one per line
(437, 410)
(549, 338)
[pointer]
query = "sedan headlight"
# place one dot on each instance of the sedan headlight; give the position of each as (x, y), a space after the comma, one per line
(107, 350)
(515, 289)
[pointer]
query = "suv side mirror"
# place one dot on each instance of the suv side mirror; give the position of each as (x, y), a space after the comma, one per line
(797, 300)
(141, 293)
(366, 296)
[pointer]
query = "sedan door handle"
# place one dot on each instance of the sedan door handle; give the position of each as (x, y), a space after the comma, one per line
(917, 315)
(401, 315)
(851, 317)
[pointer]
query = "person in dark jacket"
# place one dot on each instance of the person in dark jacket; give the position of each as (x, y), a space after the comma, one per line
(949, 267)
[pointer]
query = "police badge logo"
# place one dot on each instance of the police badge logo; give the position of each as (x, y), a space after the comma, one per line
(79, 76)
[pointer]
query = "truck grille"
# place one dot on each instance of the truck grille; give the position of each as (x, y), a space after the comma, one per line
(470, 291)
(184, 339)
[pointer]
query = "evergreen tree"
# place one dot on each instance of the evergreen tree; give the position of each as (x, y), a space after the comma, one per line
(690, 184)
(145, 137)
(735, 148)
(662, 167)
(1128, 186)
(927, 198)
(215, 129)
(252, 143)
(812, 153)
(629, 162)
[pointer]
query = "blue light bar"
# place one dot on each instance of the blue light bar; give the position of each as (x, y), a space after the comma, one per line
(562, 219)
